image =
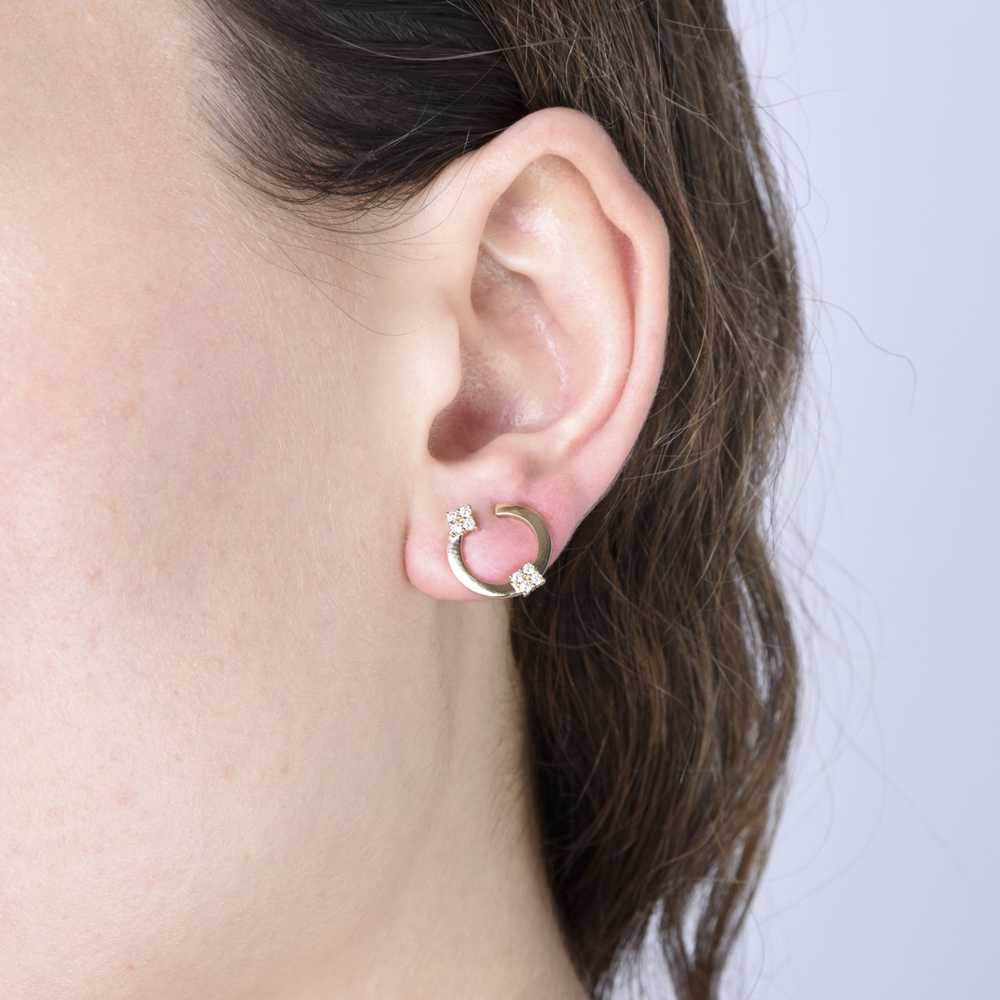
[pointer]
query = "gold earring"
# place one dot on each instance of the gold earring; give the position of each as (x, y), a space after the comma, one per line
(523, 581)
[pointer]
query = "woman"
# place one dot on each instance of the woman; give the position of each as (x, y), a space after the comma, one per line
(286, 286)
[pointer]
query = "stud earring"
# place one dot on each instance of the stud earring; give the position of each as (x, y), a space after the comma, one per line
(523, 581)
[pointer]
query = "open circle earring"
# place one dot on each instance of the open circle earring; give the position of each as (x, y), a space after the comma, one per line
(523, 581)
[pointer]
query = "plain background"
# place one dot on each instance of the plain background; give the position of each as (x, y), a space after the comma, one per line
(885, 879)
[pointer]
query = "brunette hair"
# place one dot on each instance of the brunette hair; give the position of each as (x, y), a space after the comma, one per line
(659, 665)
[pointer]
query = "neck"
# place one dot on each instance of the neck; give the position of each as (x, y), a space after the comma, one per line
(468, 913)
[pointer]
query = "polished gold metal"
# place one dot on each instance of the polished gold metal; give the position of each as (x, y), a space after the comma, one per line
(524, 580)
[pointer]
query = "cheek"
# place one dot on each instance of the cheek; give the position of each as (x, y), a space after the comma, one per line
(126, 445)
(198, 541)
(187, 636)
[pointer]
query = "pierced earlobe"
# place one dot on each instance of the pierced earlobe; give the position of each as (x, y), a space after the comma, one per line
(522, 581)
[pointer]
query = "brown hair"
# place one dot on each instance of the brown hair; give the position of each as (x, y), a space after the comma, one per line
(659, 666)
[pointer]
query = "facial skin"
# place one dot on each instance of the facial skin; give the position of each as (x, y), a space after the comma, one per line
(254, 740)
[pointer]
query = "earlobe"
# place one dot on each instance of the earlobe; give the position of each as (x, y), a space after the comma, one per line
(560, 344)
(523, 580)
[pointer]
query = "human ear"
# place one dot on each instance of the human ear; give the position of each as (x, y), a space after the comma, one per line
(555, 282)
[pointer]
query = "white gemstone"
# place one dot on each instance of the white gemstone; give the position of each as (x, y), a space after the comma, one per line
(526, 579)
(460, 521)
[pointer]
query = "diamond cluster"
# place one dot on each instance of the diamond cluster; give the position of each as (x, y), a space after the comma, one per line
(526, 579)
(460, 521)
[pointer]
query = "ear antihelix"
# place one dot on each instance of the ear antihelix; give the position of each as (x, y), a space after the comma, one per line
(523, 581)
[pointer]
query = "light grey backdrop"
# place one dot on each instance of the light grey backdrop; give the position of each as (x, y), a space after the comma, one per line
(885, 880)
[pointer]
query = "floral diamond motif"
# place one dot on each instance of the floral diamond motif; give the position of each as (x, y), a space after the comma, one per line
(460, 521)
(526, 579)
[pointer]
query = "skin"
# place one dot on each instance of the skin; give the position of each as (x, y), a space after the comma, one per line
(256, 741)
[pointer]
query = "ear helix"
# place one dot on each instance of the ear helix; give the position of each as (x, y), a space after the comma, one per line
(524, 580)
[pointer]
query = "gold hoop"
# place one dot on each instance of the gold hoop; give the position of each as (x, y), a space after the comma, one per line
(523, 581)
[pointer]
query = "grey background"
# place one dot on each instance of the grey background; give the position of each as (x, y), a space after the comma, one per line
(885, 878)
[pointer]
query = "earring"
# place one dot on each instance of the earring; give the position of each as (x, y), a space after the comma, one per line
(524, 580)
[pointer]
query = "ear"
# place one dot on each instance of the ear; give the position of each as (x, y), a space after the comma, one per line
(554, 284)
